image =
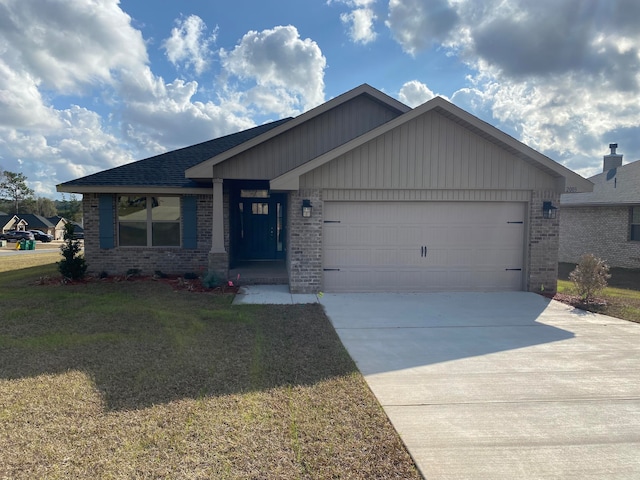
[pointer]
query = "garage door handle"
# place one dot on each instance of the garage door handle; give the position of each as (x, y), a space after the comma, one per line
(423, 251)
(513, 269)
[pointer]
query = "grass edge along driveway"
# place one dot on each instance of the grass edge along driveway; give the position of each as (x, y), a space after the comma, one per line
(134, 380)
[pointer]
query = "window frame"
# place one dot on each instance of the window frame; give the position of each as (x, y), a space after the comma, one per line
(149, 221)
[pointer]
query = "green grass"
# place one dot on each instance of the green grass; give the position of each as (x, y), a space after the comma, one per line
(622, 296)
(135, 380)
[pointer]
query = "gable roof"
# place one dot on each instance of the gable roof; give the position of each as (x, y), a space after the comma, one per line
(565, 177)
(36, 222)
(203, 170)
(618, 186)
(10, 222)
(164, 171)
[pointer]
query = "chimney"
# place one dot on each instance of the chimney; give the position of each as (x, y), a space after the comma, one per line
(613, 160)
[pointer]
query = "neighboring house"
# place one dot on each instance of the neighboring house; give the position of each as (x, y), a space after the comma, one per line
(38, 222)
(605, 222)
(359, 194)
(58, 223)
(11, 222)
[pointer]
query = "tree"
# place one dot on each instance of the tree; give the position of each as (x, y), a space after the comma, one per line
(14, 187)
(71, 208)
(73, 265)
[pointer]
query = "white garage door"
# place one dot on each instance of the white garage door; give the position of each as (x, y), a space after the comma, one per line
(423, 246)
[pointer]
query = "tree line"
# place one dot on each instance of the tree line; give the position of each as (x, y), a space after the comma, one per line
(17, 198)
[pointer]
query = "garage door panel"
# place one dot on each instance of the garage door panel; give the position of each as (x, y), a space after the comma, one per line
(370, 246)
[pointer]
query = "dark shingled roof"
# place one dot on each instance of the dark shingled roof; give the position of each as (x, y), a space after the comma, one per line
(167, 169)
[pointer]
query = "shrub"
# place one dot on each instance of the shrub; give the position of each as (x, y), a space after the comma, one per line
(73, 265)
(212, 280)
(590, 276)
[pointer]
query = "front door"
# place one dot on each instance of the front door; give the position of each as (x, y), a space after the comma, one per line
(261, 226)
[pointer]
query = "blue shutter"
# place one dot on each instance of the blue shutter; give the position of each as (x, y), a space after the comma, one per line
(189, 222)
(105, 212)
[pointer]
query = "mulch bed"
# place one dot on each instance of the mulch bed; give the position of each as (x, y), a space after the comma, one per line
(176, 282)
(596, 305)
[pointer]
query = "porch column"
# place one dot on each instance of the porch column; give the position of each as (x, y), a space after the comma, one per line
(217, 229)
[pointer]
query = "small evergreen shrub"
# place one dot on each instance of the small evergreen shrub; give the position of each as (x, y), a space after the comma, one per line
(190, 276)
(212, 280)
(590, 276)
(73, 265)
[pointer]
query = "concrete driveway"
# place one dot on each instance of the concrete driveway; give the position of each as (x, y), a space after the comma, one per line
(504, 385)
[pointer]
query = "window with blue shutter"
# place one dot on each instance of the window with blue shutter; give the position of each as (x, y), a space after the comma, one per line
(189, 222)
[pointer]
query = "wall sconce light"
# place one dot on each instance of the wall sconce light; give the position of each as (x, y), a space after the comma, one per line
(548, 210)
(306, 208)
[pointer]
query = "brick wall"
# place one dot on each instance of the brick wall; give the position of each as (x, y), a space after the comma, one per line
(170, 260)
(304, 241)
(602, 231)
(544, 239)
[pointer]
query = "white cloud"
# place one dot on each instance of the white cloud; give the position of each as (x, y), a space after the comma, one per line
(418, 24)
(414, 93)
(88, 49)
(360, 20)
(189, 44)
(67, 46)
(278, 61)
(563, 76)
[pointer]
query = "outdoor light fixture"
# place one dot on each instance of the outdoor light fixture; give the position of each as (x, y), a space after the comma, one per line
(548, 210)
(306, 208)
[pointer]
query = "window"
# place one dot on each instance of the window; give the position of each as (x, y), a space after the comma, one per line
(148, 221)
(635, 224)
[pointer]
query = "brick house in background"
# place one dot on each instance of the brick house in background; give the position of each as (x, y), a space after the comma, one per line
(605, 222)
(361, 193)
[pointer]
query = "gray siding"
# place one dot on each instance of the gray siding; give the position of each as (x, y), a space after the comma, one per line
(602, 231)
(428, 152)
(307, 141)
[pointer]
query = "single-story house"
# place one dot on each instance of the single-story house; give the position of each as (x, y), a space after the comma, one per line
(361, 193)
(606, 221)
(38, 222)
(11, 222)
(58, 223)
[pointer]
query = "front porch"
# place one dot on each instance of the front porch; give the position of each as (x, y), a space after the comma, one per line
(259, 273)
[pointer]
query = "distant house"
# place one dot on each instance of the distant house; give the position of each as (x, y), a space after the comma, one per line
(58, 223)
(11, 222)
(361, 193)
(605, 222)
(38, 222)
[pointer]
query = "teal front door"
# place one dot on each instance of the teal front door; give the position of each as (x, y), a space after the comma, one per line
(261, 228)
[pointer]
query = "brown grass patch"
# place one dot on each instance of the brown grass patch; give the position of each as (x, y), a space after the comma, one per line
(136, 380)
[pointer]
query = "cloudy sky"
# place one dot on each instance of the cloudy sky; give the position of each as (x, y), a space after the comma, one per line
(86, 85)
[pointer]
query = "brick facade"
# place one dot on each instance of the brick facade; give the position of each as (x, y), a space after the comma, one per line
(602, 231)
(304, 240)
(544, 239)
(170, 260)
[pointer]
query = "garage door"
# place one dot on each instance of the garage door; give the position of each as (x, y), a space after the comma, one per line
(423, 246)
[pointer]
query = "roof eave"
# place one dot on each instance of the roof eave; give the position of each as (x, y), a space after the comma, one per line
(132, 189)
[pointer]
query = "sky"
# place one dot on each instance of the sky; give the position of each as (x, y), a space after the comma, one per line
(87, 85)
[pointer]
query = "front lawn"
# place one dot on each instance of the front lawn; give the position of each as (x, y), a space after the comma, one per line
(135, 380)
(621, 297)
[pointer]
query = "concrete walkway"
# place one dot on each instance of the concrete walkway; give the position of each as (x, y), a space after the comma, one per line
(508, 385)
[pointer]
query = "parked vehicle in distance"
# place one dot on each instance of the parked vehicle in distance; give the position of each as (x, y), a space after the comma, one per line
(16, 235)
(41, 236)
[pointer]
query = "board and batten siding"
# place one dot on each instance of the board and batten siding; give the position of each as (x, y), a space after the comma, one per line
(428, 152)
(308, 140)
